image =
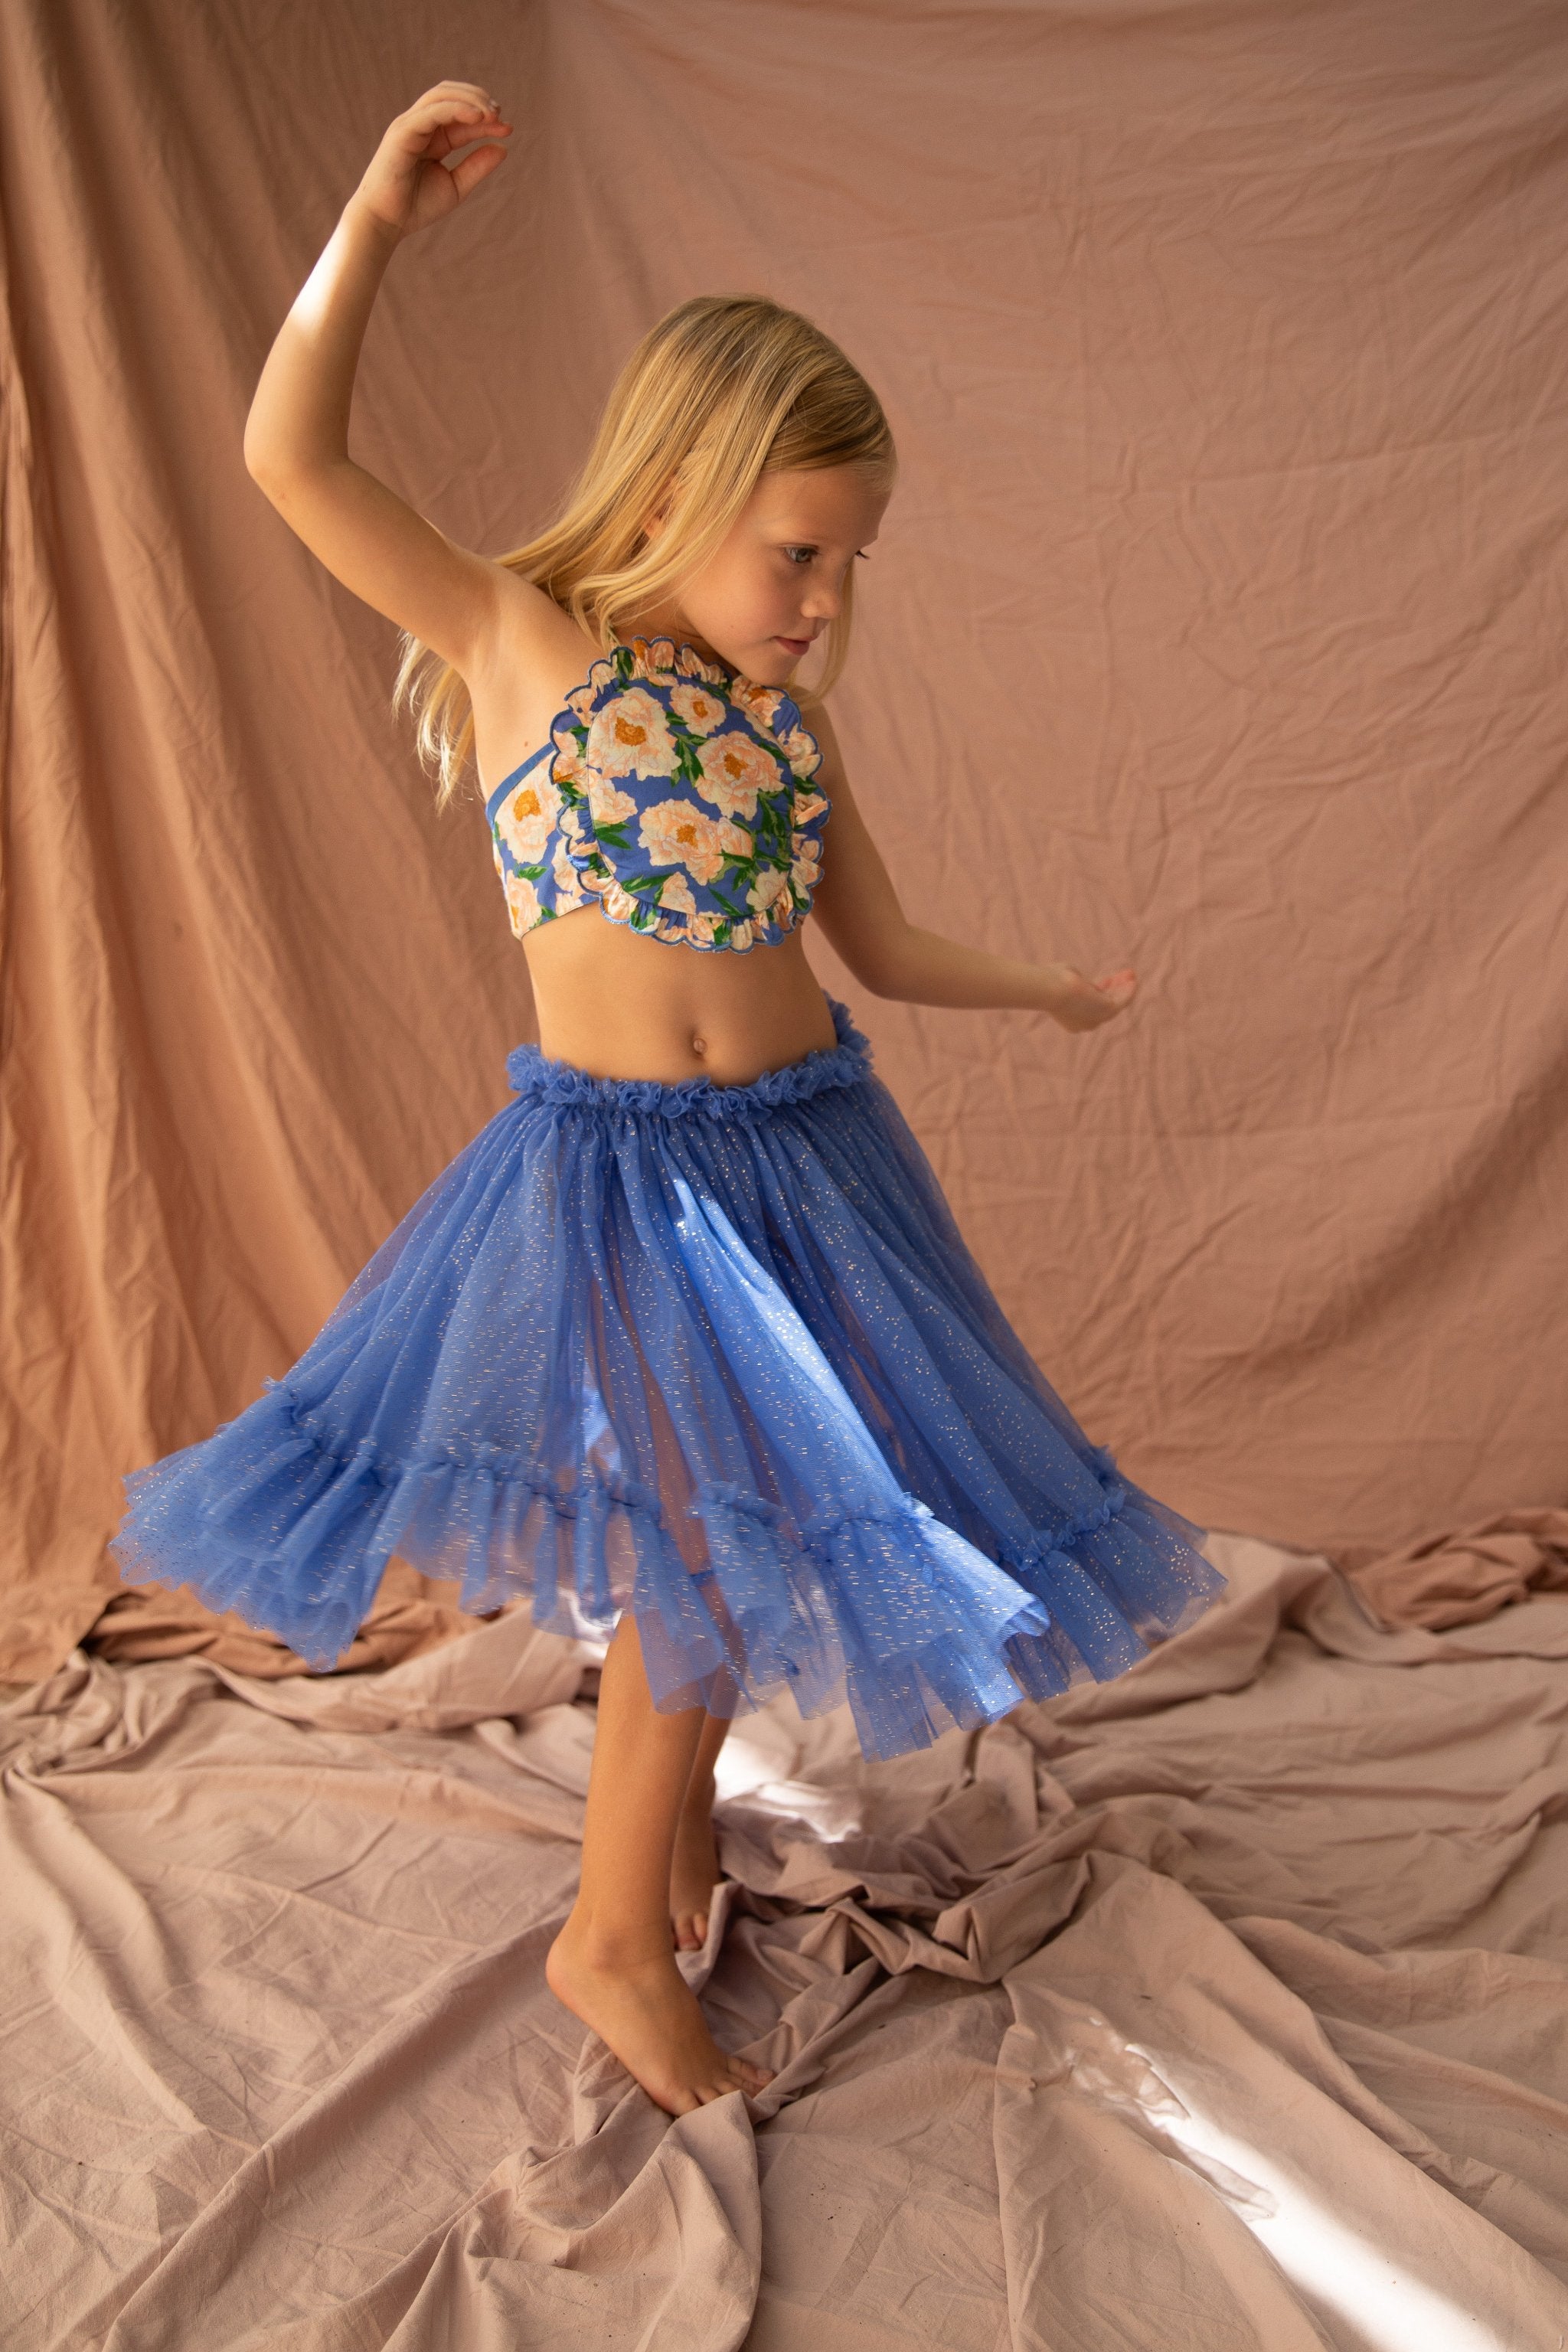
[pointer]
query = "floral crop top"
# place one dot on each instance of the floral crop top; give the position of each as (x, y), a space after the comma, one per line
(674, 791)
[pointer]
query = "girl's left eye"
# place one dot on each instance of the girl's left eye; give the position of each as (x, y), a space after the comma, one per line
(792, 552)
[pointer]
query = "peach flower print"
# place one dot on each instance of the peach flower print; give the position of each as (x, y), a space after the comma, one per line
(630, 737)
(741, 938)
(566, 768)
(675, 893)
(759, 703)
(805, 806)
(522, 903)
(567, 881)
(654, 658)
(619, 905)
(673, 833)
(805, 869)
(526, 817)
(702, 711)
(702, 928)
(802, 751)
(734, 771)
(691, 664)
(770, 890)
(607, 802)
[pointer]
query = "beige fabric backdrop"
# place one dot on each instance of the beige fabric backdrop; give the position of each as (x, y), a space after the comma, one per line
(1216, 623)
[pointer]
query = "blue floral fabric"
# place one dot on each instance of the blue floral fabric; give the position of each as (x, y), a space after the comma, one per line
(675, 792)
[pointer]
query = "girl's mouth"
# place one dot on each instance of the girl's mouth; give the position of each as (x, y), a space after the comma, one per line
(795, 645)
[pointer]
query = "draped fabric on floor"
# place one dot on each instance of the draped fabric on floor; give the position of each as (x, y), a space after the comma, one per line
(1216, 625)
(1220, 2008)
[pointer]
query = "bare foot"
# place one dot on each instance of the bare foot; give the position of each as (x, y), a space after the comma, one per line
(694, 1873)
(644, 2009)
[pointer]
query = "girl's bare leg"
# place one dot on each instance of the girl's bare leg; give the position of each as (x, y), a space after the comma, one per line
(613, 1963)
(694, 1873)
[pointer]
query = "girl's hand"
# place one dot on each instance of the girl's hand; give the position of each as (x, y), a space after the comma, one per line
(1086, 1003)
(407, 185)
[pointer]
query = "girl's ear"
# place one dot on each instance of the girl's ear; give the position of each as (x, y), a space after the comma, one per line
(654, 522)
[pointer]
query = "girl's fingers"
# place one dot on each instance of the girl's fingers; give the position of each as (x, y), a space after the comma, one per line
(466, 175)
(449, 95)
(427, 140)
(446, 136)
(448, 116)
(442, 110)
(454, 89)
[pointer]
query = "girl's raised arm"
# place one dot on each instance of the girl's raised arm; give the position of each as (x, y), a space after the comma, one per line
(859, 910)
(296, 436)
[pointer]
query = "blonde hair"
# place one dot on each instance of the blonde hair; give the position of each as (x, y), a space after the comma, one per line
(725, 388)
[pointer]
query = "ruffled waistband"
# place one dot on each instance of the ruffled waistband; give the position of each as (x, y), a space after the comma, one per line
(533, 1077)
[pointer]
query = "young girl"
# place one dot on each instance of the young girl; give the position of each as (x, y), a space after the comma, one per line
(685, 1343)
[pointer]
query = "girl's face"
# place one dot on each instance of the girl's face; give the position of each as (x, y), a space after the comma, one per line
(777, 578)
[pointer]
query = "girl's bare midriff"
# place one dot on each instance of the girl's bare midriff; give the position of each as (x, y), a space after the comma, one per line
(624, 1007)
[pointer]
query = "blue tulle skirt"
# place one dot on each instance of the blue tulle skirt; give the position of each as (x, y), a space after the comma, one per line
(716, 1354)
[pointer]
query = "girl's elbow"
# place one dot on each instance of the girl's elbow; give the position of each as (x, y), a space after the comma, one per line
(873, 946)
(262, 463)
(877, 965)
(279, 473)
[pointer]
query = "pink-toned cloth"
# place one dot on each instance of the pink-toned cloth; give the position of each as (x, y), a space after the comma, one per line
(1221, 2009)
(1461, 1576)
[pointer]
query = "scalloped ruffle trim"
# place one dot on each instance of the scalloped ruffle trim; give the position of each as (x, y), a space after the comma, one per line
(886, 1607)
(664, 661)
(770, 711)
(533, 1077)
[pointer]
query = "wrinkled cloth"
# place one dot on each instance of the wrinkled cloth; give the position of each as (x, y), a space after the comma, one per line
(1219, 2009)
(1462, 1575)
(411, 1614)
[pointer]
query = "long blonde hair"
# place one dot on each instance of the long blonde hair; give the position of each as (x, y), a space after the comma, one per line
(725, 388)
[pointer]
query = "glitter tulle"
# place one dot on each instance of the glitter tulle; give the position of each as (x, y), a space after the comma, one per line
(719, 1355)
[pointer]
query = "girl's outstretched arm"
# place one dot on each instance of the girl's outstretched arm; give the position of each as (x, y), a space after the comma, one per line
(296, 438)
(859, 910)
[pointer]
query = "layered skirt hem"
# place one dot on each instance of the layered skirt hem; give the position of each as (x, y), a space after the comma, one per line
(717, 1355)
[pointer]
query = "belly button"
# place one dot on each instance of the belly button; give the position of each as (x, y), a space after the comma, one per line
(700, 1045)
